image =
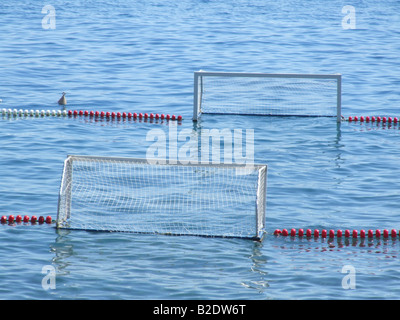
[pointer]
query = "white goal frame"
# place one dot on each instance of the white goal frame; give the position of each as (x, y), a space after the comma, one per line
(72, 199)
(198, 86)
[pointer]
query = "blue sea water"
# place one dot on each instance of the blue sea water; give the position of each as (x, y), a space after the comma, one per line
(139, 56)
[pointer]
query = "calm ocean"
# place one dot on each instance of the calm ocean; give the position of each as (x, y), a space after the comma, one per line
(139, 56)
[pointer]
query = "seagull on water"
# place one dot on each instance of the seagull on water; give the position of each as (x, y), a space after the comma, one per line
(63, 100)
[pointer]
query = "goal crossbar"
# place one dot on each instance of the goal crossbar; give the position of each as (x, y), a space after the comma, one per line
(241, 97)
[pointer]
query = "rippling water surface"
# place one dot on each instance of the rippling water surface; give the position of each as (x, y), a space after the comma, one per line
(139, 56)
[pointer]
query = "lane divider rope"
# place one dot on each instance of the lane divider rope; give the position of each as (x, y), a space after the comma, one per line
(372, 119)
(309, 233)
(26, 219)
(86, 113)
(339, 233)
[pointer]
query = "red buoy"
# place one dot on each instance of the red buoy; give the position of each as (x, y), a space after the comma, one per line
(354, 233)
(293, 232)
(3, 219)
(385, 233)
(331, 233)
(362, 233)
(393, 232)
(301, 232)
(48, 219)
(339, 233)
(308, 233)
(370, 233)
(284, 232)
(26, 218)
(316, 233)
(277, 232)
(347, 233)
(324, 233)
(33, 219)
(11, 218)
(18, 218)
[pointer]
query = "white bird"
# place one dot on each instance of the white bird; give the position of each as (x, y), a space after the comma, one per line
(63, 100)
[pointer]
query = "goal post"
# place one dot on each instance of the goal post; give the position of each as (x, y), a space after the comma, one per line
(269, 94)
(142, 196)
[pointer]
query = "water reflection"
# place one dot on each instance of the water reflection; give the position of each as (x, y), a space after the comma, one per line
(62, 249)
(259, 278)
(374, 245)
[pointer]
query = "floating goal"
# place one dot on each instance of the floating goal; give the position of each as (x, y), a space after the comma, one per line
(140, 196)
(267, 94)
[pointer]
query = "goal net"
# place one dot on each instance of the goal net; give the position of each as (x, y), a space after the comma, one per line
(267, 94)
(133, 195)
